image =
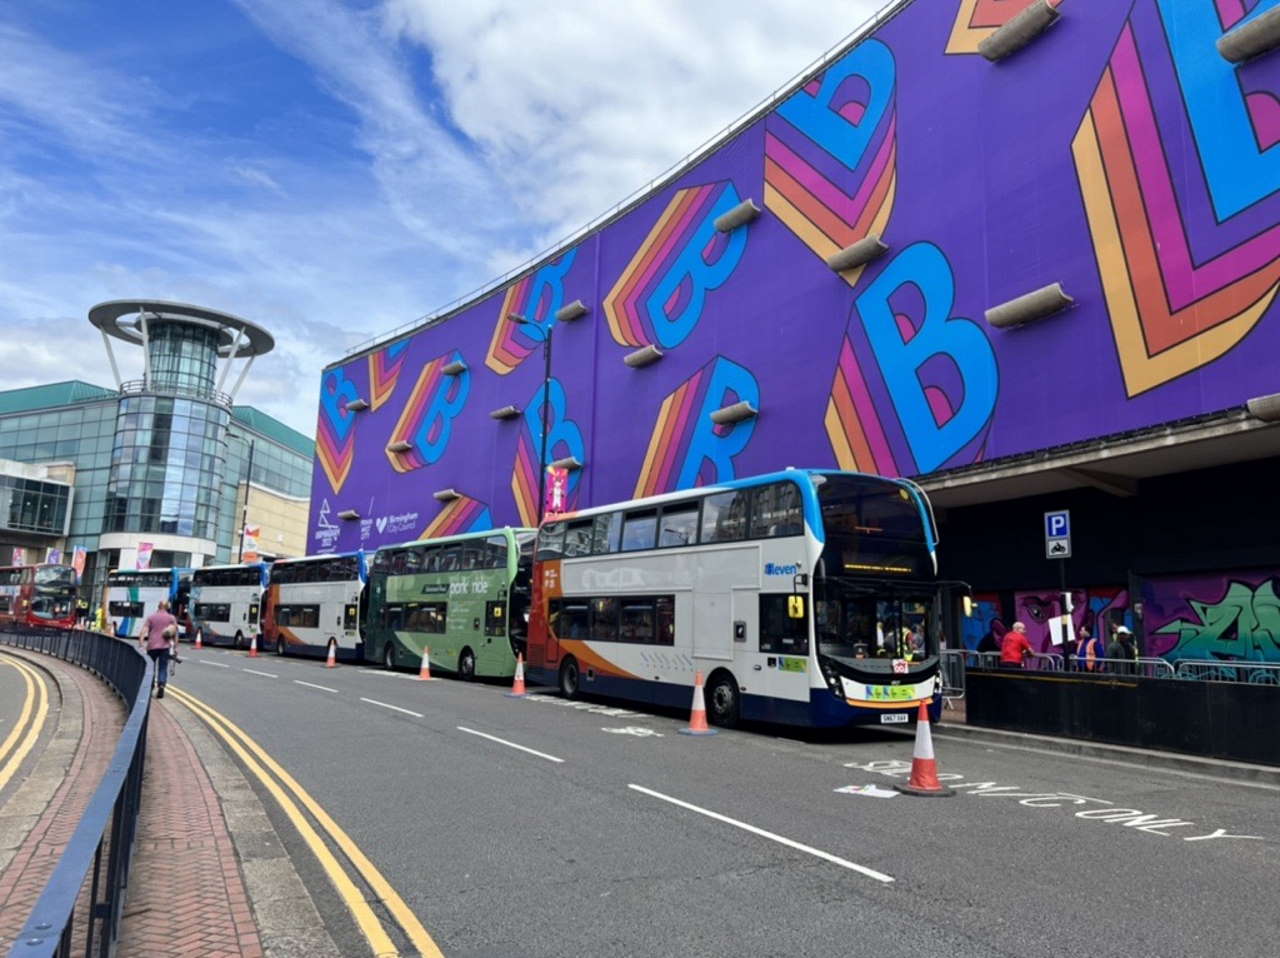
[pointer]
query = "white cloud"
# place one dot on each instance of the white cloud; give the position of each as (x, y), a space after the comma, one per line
(484, 131)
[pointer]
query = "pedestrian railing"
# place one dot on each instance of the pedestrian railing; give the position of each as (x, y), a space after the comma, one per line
(951, 665)
(1044, 661)
(1254, 673)
(100, 850)
(1147, 668)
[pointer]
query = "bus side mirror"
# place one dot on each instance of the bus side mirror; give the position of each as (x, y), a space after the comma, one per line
(795, 606)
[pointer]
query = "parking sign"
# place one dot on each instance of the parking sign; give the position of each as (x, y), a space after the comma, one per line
(1057, 534)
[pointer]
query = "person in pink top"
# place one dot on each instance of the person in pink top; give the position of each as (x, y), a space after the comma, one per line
(158, 630)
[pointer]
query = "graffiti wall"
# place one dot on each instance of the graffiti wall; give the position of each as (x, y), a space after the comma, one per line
(1119, 155)
(1097, 610)
(1221, 616)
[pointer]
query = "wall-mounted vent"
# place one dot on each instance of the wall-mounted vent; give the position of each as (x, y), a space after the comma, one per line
(454, 368)
(1252, 39)
(400, 445)
(1021, 30)
(740, 215)
(348, 514)
(358, 405)
(1026, 309)
(571, 311)
(1265, 408)
(735, 413)
(858, 254)
(568, 462)
(643, 356)
(447, 495)
(506, 412)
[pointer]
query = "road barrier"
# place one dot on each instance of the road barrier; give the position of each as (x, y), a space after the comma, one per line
(1254, 673)
(101, 848)
(951, 664)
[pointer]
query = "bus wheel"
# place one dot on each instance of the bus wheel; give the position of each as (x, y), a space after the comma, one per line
(280, 646)
(239, 641)
(467, 665)
(722, 700)
(389, 656)
(569, 678)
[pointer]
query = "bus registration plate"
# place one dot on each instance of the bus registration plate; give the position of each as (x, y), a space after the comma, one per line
(893, 718)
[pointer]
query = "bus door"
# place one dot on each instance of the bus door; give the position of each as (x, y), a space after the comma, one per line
(713, 625)
(781, 669)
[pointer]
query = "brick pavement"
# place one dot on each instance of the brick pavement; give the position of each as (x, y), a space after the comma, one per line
(186, 892)
(86, 702)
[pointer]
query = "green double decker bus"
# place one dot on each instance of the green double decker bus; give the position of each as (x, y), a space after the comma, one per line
(466, 598)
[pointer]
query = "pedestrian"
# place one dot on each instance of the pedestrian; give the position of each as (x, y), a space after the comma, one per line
(1014, 647)
(158, 630)
(1089, 655)
(1122, 651)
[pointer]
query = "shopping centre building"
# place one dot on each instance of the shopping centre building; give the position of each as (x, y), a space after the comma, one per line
(1026, 253)
(169, 462)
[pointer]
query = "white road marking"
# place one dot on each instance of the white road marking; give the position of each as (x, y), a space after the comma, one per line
(269, 675)
(388, 675)
(388, 705)
(221, 665)
(312, 685)
(798, 846)
(503, 741)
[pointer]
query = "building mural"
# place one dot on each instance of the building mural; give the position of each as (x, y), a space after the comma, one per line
(1222, 616)
(1097, 609)
(1118, 155)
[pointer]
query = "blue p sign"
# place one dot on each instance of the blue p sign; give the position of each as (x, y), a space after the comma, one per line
(1057, 524)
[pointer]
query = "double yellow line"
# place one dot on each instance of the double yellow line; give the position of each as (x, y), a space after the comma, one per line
(35, 709)
(285, 789)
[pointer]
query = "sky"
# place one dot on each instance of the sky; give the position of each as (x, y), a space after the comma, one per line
(331, 169)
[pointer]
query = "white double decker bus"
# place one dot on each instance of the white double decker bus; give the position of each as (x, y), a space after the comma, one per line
(804, 597)
(226, 602)
(132, 595)
(317, 601)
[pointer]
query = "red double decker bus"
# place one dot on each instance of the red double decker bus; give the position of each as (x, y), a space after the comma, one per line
(42, 594)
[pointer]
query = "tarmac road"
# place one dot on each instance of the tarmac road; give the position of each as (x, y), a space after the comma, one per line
(616, 835)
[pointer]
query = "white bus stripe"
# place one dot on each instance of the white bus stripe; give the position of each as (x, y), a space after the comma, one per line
(387, 705)
(503, 741)
(312, 685)
(807, 849)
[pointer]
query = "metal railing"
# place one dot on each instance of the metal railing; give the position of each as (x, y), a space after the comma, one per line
(951, 665)
(100, 850)
(138, 387)
(1253, 673)
(677, 169)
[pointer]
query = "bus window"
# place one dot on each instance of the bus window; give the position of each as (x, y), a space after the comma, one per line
(298, 616)
(638, 529)
(604, 620)
(665, 626)
(577, 538)
(777, 511)
(431, 559)
(780, 633)
(606, 533)
(213, 611)
(495, 552)
(637, 621)
(253, 613)
(426, 617)
(679, 525)
(471, 556)
(569, 618)
(495, 618)
(410, 562)
(724, 516)
(450, 558)
(551, 541)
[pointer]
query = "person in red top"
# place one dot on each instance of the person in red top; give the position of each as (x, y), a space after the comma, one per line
(158, 630)
(1014, 647)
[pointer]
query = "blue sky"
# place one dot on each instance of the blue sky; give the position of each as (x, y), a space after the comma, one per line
(333, 169)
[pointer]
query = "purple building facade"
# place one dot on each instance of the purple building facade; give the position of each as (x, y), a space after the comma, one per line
(1118, 155)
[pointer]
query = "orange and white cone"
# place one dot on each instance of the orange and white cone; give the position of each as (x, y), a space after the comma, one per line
(698, 711)
(517, 684)
(424, 673)
(199, 638)
(924, 767)
(253, 646)
(332, 661)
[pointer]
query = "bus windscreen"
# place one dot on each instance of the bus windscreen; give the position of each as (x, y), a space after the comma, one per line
(872, 528)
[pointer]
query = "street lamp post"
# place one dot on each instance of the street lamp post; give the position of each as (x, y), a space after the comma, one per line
(244, 514)
(546, 399)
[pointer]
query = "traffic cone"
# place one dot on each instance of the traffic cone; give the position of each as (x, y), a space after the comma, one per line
(424, 673)
(199, 638)
(698, 711)
(924, 768)
(253, 646)
(332, 661)
(517, 686)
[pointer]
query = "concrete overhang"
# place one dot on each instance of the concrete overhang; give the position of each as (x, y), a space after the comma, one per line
(1113, 464)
